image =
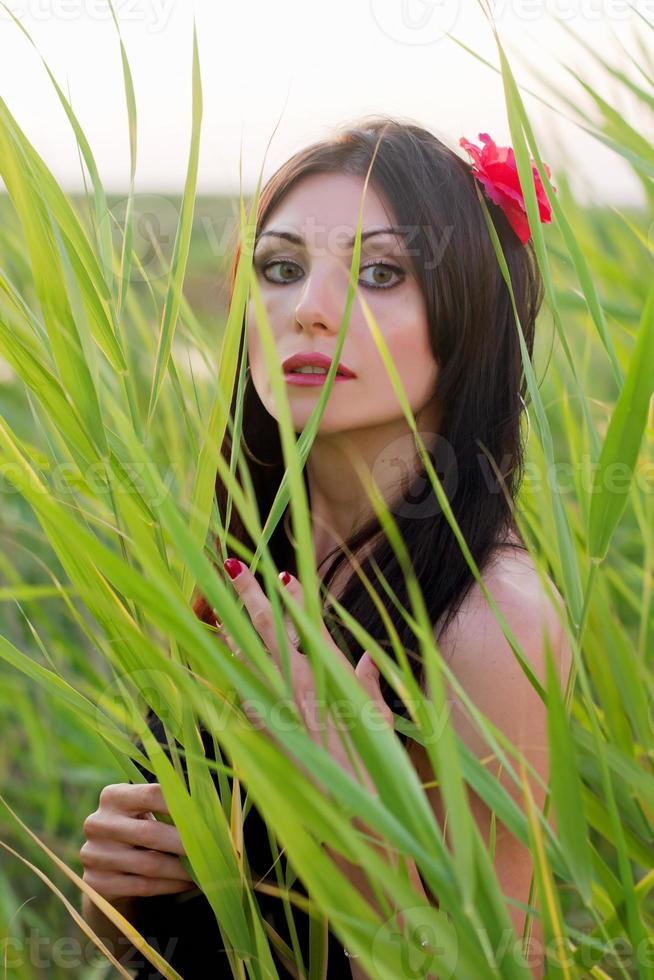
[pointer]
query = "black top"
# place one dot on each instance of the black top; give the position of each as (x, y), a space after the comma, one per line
(182, 927)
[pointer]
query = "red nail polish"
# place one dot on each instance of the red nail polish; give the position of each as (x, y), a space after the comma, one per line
(233, 567)
(285, 577)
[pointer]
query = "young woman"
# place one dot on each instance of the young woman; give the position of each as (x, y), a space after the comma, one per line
(431, 278)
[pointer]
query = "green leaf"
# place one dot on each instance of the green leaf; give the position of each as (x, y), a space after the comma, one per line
(623, 439)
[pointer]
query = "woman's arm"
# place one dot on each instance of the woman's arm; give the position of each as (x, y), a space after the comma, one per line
(117, 943)
(360, 881)
(483, 662)
(486, 667)
(359, 878)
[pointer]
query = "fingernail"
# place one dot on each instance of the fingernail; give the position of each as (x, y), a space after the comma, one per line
(285, 577)
(233, 567)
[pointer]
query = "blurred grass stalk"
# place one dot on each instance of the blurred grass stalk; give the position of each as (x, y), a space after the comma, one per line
(76, 336)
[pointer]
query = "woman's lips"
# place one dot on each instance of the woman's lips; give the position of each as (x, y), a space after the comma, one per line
(311, 380)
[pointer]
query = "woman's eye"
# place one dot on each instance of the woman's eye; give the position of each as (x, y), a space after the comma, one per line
(285, 264)
(382, 277)
(379, 274)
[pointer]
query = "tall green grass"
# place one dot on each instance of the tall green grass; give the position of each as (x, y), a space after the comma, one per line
(109, 443)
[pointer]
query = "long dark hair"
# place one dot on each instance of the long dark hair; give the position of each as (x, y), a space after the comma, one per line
(480, 385)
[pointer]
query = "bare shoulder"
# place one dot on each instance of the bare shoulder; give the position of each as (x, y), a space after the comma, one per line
(490, 677)
(474, 642)
(483, 662)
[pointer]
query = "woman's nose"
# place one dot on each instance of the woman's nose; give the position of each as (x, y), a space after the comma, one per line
(322, 299)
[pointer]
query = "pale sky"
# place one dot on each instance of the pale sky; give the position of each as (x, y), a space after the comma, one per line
(316, 66)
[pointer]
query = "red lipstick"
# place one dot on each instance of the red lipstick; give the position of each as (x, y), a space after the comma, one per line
(313, 359)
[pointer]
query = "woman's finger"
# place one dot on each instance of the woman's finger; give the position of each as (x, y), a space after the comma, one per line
(293, 587)
(113, 885)
(153, 834)
(259, 608)
(367, 673)
(115, 856)
(222, 633)
(133, 798)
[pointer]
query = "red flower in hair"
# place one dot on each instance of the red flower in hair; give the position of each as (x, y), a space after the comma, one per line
(495, 168)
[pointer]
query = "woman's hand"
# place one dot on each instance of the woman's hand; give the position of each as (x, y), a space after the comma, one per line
(304, 691)
(127, 851)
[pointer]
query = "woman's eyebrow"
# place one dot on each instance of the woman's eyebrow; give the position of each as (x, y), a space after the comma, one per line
(291, 236)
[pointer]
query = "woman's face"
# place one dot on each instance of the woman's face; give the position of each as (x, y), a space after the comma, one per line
(304, 287)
